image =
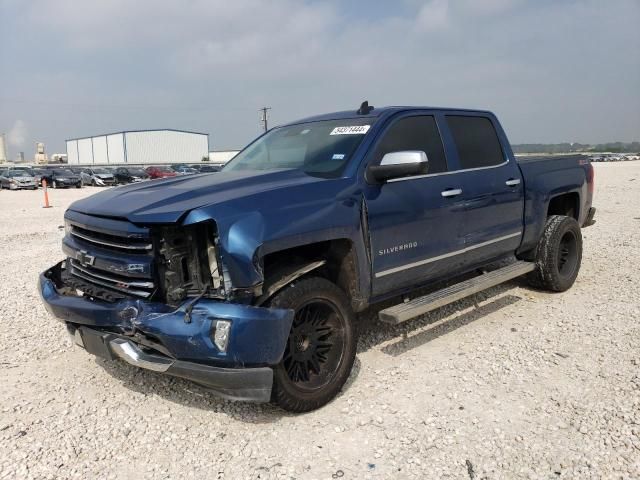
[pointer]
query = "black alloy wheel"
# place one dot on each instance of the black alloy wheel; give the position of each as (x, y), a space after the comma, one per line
(320, 348)
(558, 254)
(315, 346)
(568, 254)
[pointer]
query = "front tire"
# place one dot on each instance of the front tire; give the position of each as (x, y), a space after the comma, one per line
(558, 255)
(321, 347)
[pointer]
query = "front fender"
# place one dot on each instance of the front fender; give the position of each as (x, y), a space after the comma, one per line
(253, 226)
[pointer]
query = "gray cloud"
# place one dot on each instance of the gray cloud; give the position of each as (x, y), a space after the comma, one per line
(552, 71)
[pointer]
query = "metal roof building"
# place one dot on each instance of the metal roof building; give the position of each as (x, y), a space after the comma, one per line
(139, 147)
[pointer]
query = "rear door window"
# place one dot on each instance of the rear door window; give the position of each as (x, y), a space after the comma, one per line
(476, 141)
(414, 133)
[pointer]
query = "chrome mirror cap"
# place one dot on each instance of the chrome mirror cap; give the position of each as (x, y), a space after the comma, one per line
(404, 157)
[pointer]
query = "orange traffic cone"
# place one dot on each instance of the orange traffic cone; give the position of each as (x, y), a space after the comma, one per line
(46, 194)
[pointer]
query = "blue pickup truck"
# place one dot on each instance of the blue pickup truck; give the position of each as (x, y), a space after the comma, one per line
(250, 281)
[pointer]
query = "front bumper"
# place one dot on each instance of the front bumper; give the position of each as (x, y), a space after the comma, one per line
(22, 186)
(68, 183)
(105, 182)
(168, 335)
(246, 384)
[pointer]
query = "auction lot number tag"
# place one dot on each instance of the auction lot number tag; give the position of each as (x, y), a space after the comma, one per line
(350, 130)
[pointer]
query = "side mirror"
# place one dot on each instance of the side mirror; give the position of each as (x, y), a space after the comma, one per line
(400, 164)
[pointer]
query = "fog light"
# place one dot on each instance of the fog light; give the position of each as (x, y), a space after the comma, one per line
(221, 335)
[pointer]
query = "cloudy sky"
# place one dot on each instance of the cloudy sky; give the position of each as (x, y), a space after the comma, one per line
(552, 70)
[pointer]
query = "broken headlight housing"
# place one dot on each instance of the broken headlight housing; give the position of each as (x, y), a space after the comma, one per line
(189, 262)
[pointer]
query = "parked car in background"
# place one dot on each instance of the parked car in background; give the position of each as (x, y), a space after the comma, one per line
(85, 177)
(100, 177)
(61, 178)
(160, 172)
(130, 175)
(39, 173)
(17, 179)
(182, 169)
(208, 168)
(29, 171)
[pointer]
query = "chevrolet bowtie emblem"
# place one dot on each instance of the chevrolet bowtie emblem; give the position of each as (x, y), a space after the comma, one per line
(85, 259)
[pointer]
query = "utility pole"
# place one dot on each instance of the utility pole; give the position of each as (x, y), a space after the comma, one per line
(263, 118)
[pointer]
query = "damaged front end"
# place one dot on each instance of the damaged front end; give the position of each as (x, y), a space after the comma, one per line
(159, 298)
(189, 263)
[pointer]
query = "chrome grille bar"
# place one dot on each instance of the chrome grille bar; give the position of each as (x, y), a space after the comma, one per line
(126, 286)
(110, 243)
(123, 282)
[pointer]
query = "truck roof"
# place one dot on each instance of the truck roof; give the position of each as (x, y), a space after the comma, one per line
(379, 112)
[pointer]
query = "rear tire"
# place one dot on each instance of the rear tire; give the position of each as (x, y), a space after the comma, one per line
(321, 347)
(558, 255)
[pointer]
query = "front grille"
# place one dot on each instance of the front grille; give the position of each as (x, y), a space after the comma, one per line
(112, 242)
(92, 261)
(139, 288)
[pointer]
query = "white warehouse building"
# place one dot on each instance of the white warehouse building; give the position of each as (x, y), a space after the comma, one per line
(139, 147)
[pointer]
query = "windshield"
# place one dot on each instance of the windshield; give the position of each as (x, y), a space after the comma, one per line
(137, 172)
(100, 171)
(61, 171)
(317, 148)
(17, 173)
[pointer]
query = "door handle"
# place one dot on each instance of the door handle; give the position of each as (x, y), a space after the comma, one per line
(512, 182)
(451, 192)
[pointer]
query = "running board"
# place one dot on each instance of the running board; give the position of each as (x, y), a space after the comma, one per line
(421, 305)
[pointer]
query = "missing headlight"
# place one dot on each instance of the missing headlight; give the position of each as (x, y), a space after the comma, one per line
(188, 262)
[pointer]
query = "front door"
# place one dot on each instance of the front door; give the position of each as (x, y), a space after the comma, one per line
(415, 223)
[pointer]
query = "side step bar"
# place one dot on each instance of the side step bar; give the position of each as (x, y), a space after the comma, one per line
(421, 305)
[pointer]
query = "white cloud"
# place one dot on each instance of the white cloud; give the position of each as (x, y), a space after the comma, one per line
(434, 15)
(17, 136)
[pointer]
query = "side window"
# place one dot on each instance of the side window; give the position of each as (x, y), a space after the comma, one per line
(414, 133)
(476, 141)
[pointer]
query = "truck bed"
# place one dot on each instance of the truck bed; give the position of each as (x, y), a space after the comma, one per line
(545, 177)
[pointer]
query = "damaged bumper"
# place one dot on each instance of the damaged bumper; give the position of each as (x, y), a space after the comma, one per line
(177, 341)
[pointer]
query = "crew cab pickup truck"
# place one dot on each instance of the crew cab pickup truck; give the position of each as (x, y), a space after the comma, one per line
(249, 281)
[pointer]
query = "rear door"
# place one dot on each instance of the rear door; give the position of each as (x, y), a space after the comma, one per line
(413, 227)
(492, 187)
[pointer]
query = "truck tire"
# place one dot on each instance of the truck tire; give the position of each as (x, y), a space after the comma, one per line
(321, 347)
(558, 254)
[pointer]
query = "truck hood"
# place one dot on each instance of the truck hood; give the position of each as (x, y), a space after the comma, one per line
(168, 200)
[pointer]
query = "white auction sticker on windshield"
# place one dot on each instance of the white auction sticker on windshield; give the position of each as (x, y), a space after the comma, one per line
(350, 130)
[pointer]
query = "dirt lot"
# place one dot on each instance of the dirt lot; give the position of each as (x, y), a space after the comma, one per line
(512, 383)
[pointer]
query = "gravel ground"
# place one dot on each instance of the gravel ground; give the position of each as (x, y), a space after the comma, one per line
(512, 383)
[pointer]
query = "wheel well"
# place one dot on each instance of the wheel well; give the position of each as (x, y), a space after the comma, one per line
(566, 204)
(340, 267)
